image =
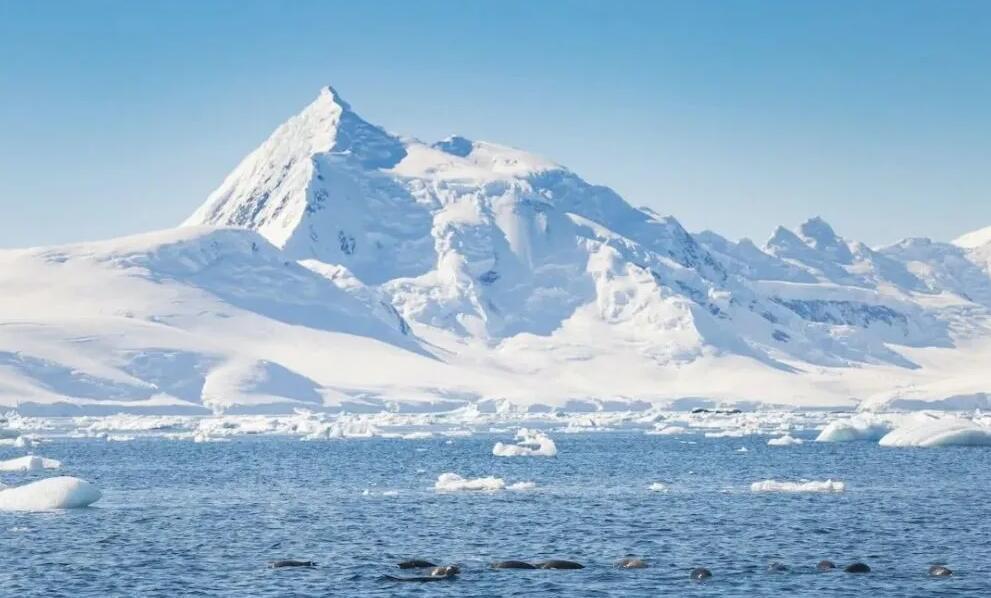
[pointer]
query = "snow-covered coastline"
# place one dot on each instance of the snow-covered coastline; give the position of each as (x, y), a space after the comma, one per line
(535, 431)
(343, 268)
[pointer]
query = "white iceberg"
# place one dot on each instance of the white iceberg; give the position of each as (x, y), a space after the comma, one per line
(522, 486)
(532, 443)
(29, 463)
(49, 494)
(803, 486)
(863, 426)
(786, 440)
(934, 432)
(667, 431)
(452, 482)
(657, 487)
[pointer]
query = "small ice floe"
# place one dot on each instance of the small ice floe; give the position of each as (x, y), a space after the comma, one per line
(802, 486)
(29, 463)
(201, 436)
(452, 482)
(25, 442)
(737, 433)
(315, 426)
(657, 487)
(786, 440)
(521, 486)
(49, 494)
(863, 426)
(417, 436)
(929, 431)
(368, 492)
(531, 443)
(742, 449)
(664, 430)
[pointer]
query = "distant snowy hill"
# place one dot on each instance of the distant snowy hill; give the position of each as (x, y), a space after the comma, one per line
(340, 266)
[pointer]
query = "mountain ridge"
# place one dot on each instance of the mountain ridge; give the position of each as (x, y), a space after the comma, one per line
(465, 272)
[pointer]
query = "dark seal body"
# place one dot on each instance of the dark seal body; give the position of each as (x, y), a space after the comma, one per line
(280, 564)
(416, 564)
(436, 574)
(631, 563)
(857, 568)
(825, 566)
(701, 573)
(940, 571)
(557, 564)
(512, 565)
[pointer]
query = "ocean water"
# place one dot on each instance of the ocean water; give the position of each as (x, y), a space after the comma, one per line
(185, 519)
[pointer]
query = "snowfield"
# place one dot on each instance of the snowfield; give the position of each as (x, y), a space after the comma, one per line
(343, 269)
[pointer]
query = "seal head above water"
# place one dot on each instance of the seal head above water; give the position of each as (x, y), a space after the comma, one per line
(700, 573)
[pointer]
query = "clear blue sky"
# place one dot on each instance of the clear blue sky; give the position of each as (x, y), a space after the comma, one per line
(120, 117)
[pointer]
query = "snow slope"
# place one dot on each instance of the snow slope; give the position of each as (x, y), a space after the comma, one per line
(340, 266)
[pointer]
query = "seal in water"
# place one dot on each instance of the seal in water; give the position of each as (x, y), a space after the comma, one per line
(857, 568)
(825, 566)
(512, 565)
(556, 564)
(777, 567)
(436, 574)
(291, 563)
(701, 573)
(416, 564)
(940, 571)
(631, 563)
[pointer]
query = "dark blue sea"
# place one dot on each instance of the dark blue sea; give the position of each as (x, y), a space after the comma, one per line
(185, 519)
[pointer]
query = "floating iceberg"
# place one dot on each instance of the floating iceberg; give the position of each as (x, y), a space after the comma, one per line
(29, 463)
(667, 431)
(522, 486)
(532, 443)
(657, 487)
(452, 482)
(786, 440)
(933, 432)
(803, 486)
(863, 426)
(49, 494)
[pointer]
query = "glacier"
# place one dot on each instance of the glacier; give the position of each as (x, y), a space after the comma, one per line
(343, 268)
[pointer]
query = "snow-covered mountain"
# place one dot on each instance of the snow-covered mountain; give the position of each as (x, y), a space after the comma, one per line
(342, 266)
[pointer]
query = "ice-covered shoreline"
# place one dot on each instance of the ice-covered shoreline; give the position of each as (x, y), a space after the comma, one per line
(783, 429)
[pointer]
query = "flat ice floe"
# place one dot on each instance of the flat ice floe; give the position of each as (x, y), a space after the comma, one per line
(786, 440)
(29, 463)
(657, 487)
(863, 426)
(532, 443)
(49, 494)
(928, 431)
(803, 486)
(452, 482)
(662, 430)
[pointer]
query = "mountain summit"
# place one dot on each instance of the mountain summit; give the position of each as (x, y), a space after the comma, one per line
(342, 266)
